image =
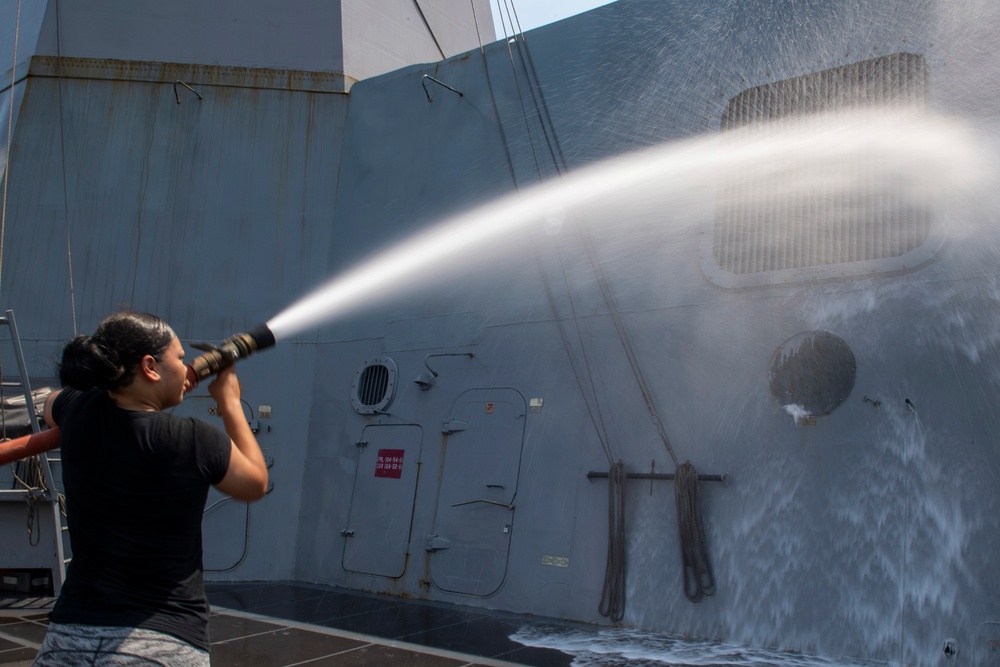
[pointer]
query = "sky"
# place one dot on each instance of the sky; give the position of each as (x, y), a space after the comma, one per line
(535, 13)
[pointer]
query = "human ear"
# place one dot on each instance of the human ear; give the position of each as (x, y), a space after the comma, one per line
(147, 367)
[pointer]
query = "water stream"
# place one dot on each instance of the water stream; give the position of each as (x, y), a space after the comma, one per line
(848, 156)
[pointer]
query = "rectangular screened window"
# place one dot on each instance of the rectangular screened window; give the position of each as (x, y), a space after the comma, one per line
(763, 238)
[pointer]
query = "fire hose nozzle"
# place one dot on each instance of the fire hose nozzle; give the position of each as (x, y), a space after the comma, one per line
(218, 358)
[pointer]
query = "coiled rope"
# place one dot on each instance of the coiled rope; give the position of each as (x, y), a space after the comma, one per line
(613, 597)
(31, 477)
(698, 578)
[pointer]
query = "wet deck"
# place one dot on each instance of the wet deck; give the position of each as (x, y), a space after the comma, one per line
(283, 624)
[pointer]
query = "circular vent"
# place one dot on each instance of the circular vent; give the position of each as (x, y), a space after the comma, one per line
(812, 373)
(373, 385)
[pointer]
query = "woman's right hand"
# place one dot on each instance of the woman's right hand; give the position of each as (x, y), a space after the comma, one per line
(225, 388)
(246, 479)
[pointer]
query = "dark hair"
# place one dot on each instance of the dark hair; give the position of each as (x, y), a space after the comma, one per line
(108, 359)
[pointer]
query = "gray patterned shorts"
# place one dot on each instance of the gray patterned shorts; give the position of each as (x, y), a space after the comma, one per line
(105, 646)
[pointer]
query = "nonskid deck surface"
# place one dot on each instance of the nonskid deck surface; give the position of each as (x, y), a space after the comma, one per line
(284, 624)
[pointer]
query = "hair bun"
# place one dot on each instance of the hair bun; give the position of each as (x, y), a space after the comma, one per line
(86, 364)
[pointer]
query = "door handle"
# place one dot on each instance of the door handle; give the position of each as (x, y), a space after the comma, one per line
(434, 543)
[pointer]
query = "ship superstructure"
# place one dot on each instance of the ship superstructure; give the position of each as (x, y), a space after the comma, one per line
(506, 425)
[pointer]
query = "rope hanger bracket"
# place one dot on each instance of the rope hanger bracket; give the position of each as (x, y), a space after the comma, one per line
(724, 477)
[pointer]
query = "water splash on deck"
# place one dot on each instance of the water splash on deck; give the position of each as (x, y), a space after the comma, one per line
(621, 647)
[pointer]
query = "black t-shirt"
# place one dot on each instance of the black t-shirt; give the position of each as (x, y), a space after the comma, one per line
(136, 484)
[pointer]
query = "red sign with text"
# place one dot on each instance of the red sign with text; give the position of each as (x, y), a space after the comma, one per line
(389, 463)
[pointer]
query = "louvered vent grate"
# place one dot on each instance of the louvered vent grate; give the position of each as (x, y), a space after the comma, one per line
(790, 237)
(373, 387)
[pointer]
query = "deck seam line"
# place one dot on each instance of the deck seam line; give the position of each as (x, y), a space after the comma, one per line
(333, 655)
(19, 640)
(278, 628)
(466, 658)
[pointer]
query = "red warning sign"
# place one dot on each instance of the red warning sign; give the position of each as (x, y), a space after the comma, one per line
(389, 463)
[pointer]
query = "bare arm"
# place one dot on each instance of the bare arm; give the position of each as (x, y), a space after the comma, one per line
(48, 408)
(246, 477)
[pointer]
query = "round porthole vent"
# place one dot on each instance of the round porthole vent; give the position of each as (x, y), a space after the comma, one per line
(812, 373)
(374, 384)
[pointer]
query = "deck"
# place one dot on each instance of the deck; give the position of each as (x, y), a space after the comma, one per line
(284, 624)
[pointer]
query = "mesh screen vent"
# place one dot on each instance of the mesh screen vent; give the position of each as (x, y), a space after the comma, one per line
(761, 240)
(896, 81)
(373, 386)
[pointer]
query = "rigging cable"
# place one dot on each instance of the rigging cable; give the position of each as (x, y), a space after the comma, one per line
(626, 341)
(560, 164)
(517, 85)
(599, 425)
(62, 153)
(10, 128)
(3, 220)
(598, 421)
(430, 30)
(559, 161)
(542, 109)
(493, 98)
(699, 579)
(612, 603)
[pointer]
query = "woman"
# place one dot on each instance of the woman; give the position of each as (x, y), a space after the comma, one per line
(136, 479)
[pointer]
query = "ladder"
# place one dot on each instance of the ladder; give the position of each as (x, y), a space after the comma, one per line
(40, 494)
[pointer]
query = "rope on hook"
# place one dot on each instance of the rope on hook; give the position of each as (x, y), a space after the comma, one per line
(698, 578)
(613, 597)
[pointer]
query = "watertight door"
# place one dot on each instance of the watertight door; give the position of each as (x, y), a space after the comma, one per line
(475, 508)
(377, 537)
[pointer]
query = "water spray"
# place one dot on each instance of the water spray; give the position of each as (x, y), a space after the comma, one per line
(212, 361)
